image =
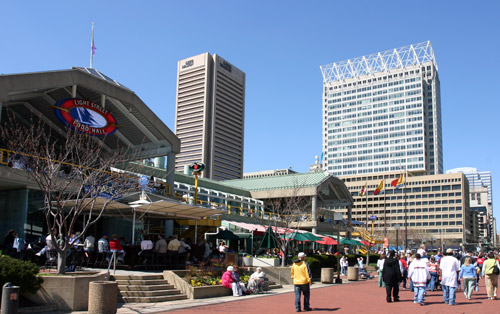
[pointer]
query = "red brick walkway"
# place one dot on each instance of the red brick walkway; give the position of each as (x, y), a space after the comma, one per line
(360, 297)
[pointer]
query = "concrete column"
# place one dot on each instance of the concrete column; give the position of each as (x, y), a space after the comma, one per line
(171, 171)
(169, 228)
(314, 213)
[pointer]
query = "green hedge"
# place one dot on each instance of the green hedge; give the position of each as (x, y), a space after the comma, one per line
(20, 273)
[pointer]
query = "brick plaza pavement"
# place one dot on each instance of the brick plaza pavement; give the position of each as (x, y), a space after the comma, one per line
(359, 297)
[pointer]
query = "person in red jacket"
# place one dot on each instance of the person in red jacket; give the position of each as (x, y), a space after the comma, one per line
(228, 281)
(115, 246)
(404, 270)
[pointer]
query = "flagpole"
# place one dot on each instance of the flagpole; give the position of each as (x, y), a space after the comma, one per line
(92, 47)
(406, 214)
(385, 213)
(366, 193)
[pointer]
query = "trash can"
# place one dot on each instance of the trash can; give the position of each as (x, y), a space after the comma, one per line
(10, 298)
(103, 297)
(352, 273)
(326, 275)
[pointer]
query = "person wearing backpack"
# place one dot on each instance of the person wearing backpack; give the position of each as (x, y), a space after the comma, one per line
(491, 269)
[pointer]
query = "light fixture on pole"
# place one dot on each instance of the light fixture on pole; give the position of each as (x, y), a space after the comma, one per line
(337, 217)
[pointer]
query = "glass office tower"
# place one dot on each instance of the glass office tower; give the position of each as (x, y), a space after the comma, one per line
(382, 112)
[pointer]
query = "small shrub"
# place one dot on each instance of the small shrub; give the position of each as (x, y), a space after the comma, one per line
(20, 273)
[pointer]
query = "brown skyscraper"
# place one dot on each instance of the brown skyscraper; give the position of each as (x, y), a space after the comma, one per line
(209, 118)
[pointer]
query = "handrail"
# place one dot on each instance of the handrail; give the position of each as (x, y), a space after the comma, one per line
(243, 211)
(111, 261)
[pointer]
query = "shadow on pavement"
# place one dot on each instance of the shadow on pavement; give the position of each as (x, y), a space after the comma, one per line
(325, 309)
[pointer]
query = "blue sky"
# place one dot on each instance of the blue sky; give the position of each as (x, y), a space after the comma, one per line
(280, 45)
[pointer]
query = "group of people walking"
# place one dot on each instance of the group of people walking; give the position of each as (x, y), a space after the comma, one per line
(447, 271)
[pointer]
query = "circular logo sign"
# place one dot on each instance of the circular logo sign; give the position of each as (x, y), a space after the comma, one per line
(86, 116)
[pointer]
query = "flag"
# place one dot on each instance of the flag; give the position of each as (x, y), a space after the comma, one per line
(380, 188)
(363, 191)
(92, 46)
(399, 182)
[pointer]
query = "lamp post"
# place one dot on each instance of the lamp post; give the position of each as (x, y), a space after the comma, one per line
(397, 227)
(368, 247)
(337, 217)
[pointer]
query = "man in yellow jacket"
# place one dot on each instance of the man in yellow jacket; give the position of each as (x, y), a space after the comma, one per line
(301, 275)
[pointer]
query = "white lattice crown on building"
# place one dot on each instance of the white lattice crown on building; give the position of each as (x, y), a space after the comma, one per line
(385, 61)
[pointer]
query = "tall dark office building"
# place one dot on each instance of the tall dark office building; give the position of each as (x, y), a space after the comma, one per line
(210, 115)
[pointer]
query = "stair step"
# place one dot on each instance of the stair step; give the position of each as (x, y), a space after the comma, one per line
(142, 282)
(152, 299)
(137, 277)
(151, 293)
(144, 287)
(275, 286)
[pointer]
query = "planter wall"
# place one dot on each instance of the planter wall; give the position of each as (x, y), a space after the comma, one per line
(175, 279)
(67, 293)
(266, 262)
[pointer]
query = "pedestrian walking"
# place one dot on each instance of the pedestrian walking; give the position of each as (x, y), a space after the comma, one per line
(433, 269)
(490, 278)
(449, 267)
(404, 270)
(391, 274)
(380, 267)
(468, 273)
(301, 275)
(344, 263)
(419, 274)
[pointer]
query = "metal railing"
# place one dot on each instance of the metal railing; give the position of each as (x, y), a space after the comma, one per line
(248, 212)
(112, 261)
(11, 159)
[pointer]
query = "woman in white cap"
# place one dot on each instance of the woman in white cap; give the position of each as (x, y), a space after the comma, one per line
(228, 282)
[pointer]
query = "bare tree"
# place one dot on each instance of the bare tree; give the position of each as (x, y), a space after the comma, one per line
(73, 171)
(286, 213)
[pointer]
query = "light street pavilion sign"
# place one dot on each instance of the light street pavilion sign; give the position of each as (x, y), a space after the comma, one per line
(85, 116)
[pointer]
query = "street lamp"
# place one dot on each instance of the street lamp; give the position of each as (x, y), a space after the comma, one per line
(337, 217)
(369, 246)
(397, 227)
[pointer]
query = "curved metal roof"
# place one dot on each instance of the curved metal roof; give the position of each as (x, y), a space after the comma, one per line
(139, 128)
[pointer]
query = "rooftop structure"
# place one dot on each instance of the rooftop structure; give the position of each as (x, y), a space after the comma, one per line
(398, 58)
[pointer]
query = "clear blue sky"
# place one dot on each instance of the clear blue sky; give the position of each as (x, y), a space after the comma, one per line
(280, 45)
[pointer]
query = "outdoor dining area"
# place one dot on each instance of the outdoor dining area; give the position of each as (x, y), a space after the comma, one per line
(266, 244)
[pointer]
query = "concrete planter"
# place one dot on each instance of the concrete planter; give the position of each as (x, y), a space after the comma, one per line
(248, 261)
(67, 293)
(176, 278)
(266, 262)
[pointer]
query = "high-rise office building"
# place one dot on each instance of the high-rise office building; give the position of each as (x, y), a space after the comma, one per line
(479, 183)
(209, 118)
(382, 112)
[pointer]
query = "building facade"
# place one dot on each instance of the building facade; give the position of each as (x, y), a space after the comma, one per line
(481, 199)
(434, 207)
(268, 173)
(210, 114)
(382, 112)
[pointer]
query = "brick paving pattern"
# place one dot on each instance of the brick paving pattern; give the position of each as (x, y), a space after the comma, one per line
(359, 297)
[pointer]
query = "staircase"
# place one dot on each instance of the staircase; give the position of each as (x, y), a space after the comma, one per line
(274, 285)
(145, 289)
